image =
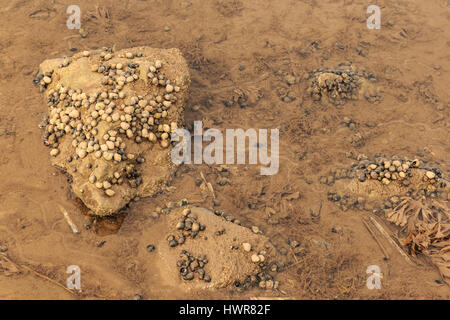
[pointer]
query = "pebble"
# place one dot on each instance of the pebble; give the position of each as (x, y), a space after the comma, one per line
(151, 248)
(74, 114)
(110, 192)
(247, 246)
(189, 276)
(81, 153)
(180, 225)
(173, 243)
(396, 163)
(255, 229)
(255, 258)
(110, 145)
(169, 88)
(430, 174)
(54, 152)
(195, 227)
(92, 179)
(47, 80)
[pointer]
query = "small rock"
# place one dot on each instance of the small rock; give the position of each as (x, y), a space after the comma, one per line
(189, 276)
(255, 229)
(54, 152)
(47, 80)
(74, 114)
(195, 227)
(247, 246)
(180, 225)
(430, 175)
(255, 258)
(173, 243)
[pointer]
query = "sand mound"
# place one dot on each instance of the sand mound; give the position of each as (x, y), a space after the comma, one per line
(228, 249)
(381, 182)
(337, 85)
(110, 117)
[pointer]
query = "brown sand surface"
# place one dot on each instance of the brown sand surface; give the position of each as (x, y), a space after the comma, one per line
(239, 51)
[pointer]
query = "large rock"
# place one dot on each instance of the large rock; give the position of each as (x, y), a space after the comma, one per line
(136, 105)
(222, 243)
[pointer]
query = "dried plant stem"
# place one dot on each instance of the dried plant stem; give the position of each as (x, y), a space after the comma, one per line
(372, 233)
(388, 238)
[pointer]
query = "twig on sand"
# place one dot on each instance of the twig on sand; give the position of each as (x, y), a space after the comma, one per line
(388, 238)
(372, 233)
(48, 279)
(69, 220)
(293, 254)
(15, 268)
(208, 185)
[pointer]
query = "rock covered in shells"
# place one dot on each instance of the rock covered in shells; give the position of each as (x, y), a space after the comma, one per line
(110, 117)
(376, 182)
(228, 261)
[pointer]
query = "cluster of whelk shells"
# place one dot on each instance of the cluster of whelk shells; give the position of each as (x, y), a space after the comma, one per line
(387, 170)
(141, 119)
(341, 85)
(188, 227)
(190, 265)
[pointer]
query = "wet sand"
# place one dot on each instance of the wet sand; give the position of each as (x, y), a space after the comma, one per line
(234, 49)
